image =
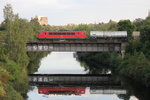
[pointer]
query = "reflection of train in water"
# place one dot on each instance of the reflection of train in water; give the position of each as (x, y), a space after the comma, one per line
(62, 91)
(81, 35)
(108, 91)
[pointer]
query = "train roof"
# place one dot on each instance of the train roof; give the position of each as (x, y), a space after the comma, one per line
(110, 31)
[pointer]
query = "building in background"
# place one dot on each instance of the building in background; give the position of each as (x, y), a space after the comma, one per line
(136, 34)
(43, 20)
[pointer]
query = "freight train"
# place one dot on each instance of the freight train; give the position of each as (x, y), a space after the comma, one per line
(81, 34)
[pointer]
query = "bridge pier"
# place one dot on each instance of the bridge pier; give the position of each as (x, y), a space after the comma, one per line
(123, 49)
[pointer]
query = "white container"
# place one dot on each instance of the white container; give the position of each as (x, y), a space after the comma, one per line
(96, 33)
(110, 34)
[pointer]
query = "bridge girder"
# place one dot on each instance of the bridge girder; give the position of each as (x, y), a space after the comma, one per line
(74, 47)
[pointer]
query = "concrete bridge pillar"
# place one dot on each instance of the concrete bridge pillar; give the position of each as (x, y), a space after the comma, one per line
(123, 49)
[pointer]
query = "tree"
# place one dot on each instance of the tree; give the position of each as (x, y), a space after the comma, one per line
(136, 67)
(145, 40)
(133, 46)
(126, 25)
(35, 24)
(8, 13)
(138, 23)
(95, 62)
(147, 21)
(145, 33)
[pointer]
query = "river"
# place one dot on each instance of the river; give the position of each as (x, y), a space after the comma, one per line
(66, 63)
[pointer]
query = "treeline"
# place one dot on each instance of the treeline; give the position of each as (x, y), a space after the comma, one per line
(110, 26)
(134, 68)
(136, 63)
(15, 32)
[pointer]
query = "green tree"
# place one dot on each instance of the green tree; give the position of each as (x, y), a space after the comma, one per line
(126, 25)
(14, 57)
(34, 24)
(95, 62)
(145, 39)
(133, 46)
(147, 21)
(138, 23)
(35, 58)
(18, 32)
(8, 13)
(83, 27)
(136, 67)
(145, 33)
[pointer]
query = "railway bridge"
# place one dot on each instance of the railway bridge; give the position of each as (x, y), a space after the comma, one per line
(87, 45)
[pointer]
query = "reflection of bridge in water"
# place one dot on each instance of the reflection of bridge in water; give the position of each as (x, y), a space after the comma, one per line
(67, 84)
(71, 79)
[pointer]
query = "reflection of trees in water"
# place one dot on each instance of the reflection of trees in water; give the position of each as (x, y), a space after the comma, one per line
(98, 63)
(35, 58)
(34, 64)
(124, 96)
(137, 90)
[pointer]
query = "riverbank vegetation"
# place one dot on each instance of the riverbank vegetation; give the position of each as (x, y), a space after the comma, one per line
(14, 59)
(15, 32)
(136, 63)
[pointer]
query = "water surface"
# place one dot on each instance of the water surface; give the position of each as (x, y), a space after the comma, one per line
(65, 63)
(60, 63)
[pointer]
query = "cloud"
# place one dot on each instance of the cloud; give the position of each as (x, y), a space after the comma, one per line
(39, 4)
(61, 12)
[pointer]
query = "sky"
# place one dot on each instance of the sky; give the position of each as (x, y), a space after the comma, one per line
(62, 12)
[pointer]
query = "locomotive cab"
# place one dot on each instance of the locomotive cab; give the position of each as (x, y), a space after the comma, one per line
(41, 35)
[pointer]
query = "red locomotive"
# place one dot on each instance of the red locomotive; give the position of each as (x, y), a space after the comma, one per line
(62, 91)
(61, 35)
